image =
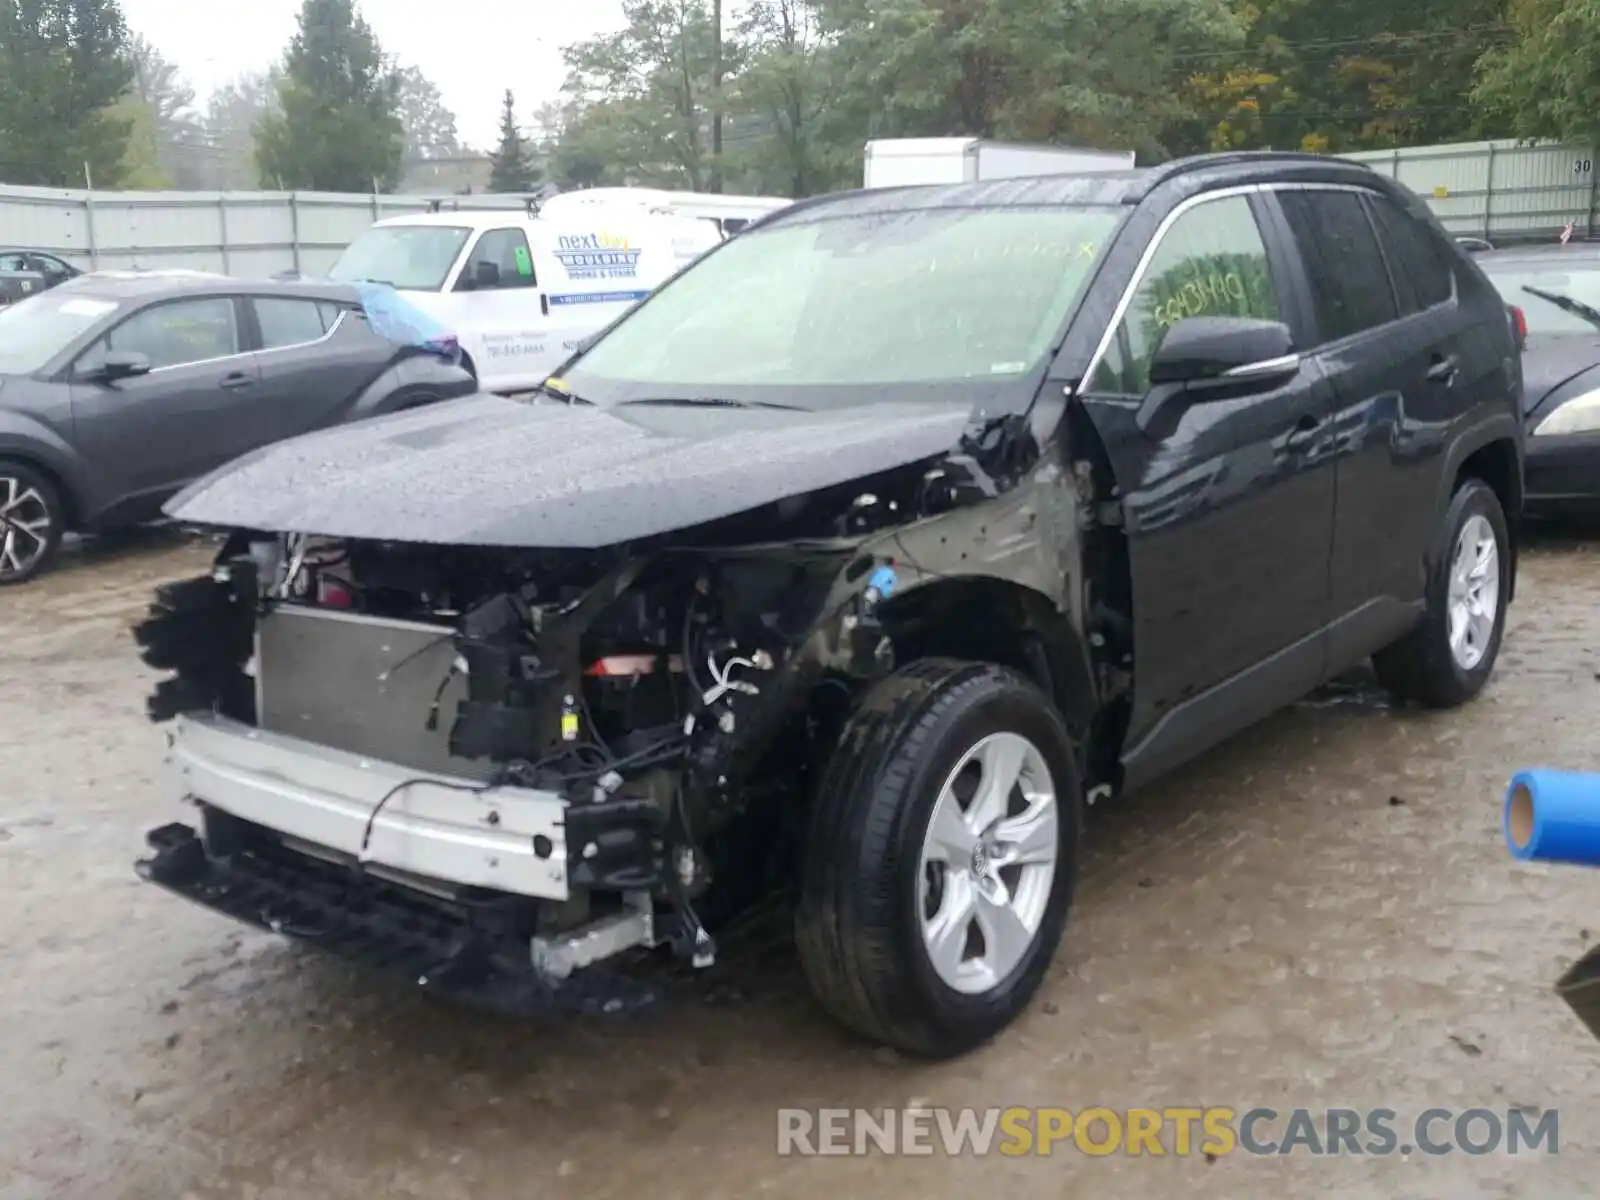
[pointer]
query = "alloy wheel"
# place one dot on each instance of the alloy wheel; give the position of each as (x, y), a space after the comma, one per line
(989, 859)
(1474, 592)
(26, 527)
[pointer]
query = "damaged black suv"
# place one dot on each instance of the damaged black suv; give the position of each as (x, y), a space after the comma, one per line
(849, 565)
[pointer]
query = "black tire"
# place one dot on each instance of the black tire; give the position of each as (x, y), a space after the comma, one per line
(858, 927)
(1421, 667)
(28, 554)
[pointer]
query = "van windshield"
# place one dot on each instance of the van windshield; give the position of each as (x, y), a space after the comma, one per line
(414, 258)
(826, 311)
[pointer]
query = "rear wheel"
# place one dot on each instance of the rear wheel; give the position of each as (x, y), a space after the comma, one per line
(1446, 660)
(941, 858)
(32, 522)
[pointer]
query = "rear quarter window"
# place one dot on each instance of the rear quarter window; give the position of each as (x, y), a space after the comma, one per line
(1417, 254)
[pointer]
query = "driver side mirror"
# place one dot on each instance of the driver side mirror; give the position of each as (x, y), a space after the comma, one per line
(120, 364)
(1200, 359)
(485, 275)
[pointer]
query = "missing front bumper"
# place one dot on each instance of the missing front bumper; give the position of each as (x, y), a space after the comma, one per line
(460, 831)
(475, 954)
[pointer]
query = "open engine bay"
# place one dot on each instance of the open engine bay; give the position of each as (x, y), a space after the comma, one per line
(460, 754)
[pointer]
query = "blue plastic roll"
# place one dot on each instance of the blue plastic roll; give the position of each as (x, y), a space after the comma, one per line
(1554, 816)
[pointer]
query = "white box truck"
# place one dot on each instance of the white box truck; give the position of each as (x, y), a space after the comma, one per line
(899, 162)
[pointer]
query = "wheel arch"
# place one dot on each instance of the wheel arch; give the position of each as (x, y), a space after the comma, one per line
(986, 619)
(51, 458)
(1495, 460)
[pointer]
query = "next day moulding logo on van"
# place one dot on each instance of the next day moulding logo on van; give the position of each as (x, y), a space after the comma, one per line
(597, 257)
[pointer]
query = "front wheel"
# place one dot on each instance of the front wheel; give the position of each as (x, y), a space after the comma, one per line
(32, 522)
(941, 858)
(1446, 660)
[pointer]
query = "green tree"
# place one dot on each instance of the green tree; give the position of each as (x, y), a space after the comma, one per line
(648, 90)
(789, 91)
(227, 151)
(1362, 74)
(171, 130)
(1546, 82)
(430, 126)
(1087, 72)
(512, 166)
(142, 168)
(64, 65)
(338, 127)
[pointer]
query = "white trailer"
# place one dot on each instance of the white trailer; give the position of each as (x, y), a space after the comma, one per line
(899, 162)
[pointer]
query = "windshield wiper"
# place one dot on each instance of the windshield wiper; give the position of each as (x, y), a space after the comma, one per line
(1566, 303)
(547, 389)
(713, 402)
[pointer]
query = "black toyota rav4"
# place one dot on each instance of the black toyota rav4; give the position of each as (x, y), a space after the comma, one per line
(849, 565)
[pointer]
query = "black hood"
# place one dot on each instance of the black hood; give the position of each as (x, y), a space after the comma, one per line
(487, 471)
(1551, 360)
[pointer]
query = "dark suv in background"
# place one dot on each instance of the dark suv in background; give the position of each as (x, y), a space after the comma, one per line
(855, 558)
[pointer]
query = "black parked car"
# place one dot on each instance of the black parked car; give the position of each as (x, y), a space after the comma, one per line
(118, 389)
(25, 272)
(1557, 292)
(855, 558)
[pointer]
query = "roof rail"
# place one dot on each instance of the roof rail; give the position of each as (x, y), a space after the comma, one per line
(1229, 158)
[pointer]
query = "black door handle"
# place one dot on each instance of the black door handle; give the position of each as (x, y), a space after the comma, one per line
(236, 381)
(1444, 369)
(1304, 432)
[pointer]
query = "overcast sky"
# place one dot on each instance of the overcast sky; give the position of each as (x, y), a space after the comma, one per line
(472, 49)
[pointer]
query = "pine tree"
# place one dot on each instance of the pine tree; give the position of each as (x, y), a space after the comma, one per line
(513, 167)
(64, 65)
(338, 128)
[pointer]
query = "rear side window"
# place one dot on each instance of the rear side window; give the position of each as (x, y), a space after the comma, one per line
(1415, 253)
(1350, 286)
(288, 322)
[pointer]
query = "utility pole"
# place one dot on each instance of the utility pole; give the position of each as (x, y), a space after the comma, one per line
(716, 96)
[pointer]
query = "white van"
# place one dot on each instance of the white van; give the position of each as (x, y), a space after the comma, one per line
(521, 291)
(731, 213)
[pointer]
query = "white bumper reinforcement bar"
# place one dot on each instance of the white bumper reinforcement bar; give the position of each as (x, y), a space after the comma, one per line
(510, 839)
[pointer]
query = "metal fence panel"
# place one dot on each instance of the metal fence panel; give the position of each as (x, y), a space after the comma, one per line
(1500, 190)
(253, 235)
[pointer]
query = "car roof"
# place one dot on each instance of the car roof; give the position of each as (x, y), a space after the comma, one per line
(464, 218)
(142, 285)
(1186, 176)
(1543, 255)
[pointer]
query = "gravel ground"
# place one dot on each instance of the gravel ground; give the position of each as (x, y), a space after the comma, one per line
(1321, 914)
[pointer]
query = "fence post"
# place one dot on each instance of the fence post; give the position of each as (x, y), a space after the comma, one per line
(294, 229)
(88, 216)
(1594, 182)
(1488, 196)
(222, 217)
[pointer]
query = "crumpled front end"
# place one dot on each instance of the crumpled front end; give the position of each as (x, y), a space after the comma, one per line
(501, 769)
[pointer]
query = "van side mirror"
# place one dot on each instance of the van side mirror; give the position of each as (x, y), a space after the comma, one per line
(486, 275)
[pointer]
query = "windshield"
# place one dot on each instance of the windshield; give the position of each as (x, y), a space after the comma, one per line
(807, 312)
(1553, 298)
(35, 330)
(417, 258)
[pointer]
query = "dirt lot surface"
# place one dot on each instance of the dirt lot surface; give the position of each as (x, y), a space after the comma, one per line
(1321, 914)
